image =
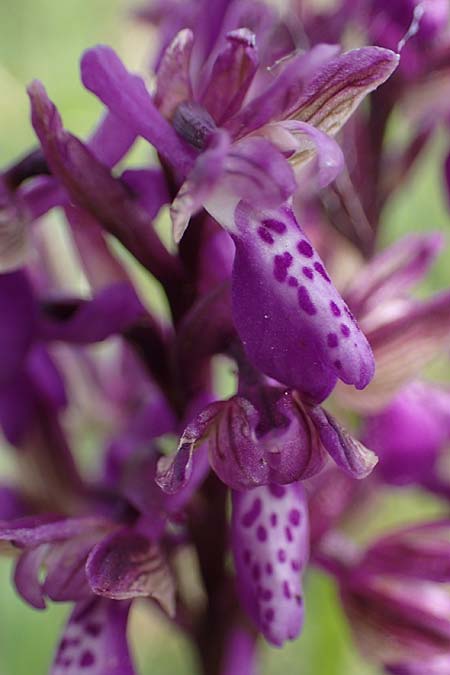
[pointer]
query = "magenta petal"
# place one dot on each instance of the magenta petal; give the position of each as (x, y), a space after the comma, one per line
(127, 565)
(94, 640)
(270, 548)
(293, 323)
(231, 75)
(126, 96)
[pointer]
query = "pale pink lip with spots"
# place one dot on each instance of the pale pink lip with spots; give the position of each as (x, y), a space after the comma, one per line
(270, 547)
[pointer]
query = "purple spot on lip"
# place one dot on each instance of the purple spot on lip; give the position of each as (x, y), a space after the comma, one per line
(295, 565)
(288, 533)
(269, 569)
(269, 614)
(261, 533)
(338, 364)
(246, 556)
(308, 273)
(265, 235)
(256, 572)
(345, 330)
(277, 490)
(292, 281)
(281, 264)
(87, 659)
(267, 594)
(332, 340)
(274, 225)
(335, 309)
(250, 517)
(321, 269)
(282, 555)
(273, 519)
(305, 248)
(294, 517)
(305, 301)
(286, 590)
(93, 629)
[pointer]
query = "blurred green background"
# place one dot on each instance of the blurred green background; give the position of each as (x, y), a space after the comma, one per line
(43, 39)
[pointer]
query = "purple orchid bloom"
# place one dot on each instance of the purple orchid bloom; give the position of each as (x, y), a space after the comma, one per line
(396, 599)
(274, 179)
(410, 434)
(261, 236)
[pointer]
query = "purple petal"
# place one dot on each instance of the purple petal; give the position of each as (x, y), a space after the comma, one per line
(287, 451)
(302, 142)
(173, 82)
(111, 140)
(127, 565)
(282, 94)
(397, 619)
(17, 408)
(111, 311)
(231, 75)
(92, 187)
(45, 377)
(294, 325)
(18, 304)
(409, 433)
(33, 531)
(418, 552)
(94, 640)
(65, 578)
(404, 338)
(393, 271)
(26, 576)
(348, 453)
(175, 472)
(241, 654)
(149, 186)
(434, 665)
(336, 90)
(199, 184)
(270, 548)
(257, 172)
(126, 97)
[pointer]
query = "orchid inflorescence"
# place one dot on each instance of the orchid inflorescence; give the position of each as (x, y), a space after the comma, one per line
(269, 158)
